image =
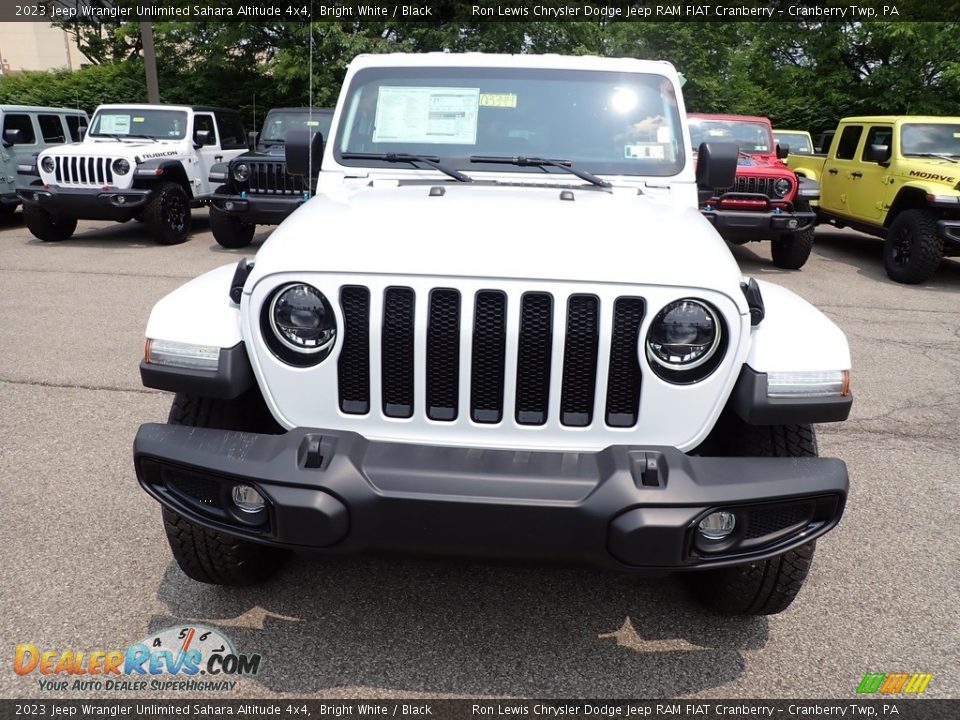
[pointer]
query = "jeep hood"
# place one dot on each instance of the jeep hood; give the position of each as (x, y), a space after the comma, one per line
(143, 149)
(503, 231)
(932, 170)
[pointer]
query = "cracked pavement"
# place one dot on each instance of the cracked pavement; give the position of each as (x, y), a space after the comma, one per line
(85, 564)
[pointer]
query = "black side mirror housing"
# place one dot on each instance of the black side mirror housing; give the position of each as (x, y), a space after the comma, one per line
(252, 140)
(12, 137)
(717, 164)
(877, 154)
(83, 131)
(782, 151)
(303, 150)
(203, 137)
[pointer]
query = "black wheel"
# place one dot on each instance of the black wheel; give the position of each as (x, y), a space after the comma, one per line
(913, 248)
(229, 230)
(765, 587)
(7, 209)
(791, 251)
(47, 227)
(207, 555)
(167, 215)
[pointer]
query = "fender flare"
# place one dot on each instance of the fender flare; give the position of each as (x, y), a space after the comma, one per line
(151, 171)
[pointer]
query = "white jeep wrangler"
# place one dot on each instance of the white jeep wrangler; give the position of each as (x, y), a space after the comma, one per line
(515, 337)
(149, 162)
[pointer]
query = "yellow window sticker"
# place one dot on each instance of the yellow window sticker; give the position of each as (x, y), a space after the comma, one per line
(312, 123)
(137, 119)
(501, 100)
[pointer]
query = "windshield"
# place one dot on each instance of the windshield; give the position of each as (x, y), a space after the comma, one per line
(159, 124)
(602, 122)
(798, 142)
(933, 138)
(278, 124)
(752, 137)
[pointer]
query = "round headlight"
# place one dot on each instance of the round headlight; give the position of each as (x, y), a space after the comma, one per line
(685, 336)
(241, 171)
(782, 187)
(121, 166)
(48, 164)
(302, 324)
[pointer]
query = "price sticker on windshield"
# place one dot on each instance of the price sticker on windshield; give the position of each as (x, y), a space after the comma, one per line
(500, 100)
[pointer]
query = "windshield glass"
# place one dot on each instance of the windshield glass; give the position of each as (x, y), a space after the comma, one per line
(603, 122)
(798, 142)
(160, 124)
(278, 124)
(752, 137)
(935, 138)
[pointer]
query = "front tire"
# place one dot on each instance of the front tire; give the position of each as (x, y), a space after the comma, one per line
(913, 248)
(206, 555)
(765, 587)
(229, 230)
(47, 227)
(167, 215)
(791, 251)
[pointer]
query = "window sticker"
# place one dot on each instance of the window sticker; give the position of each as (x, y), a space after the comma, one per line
(427, 115)
(138, 119)
(115, 124)
(500, 100)
(644, 151)
(312, 123)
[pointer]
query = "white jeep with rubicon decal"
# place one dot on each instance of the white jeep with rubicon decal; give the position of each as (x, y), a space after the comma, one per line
(146, 162)
(524, 342)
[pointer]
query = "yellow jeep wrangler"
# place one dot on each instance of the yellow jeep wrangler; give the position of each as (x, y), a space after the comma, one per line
(896, 177)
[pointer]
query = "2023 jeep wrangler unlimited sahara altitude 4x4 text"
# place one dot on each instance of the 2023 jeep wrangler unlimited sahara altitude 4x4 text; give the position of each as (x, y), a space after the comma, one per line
(527, 344)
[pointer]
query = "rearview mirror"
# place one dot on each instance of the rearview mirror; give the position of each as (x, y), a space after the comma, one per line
(782, 151)
(717, 164)
(876, 154)
(303, 151)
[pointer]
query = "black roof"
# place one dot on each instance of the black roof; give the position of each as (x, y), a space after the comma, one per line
(300, 109)
(211, 108)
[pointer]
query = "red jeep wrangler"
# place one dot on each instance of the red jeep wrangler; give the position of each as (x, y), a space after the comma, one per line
(767, 200)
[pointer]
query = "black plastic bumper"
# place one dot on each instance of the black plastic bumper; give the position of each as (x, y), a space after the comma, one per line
(87, 203)
(950, 232)
(258, 209)
(761, 225)
(626, 507)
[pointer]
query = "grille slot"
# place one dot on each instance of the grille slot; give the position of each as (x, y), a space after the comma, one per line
(354, 364)
(89, 171)
(271, 178)
(443, 354)
(623, 378)
(580, 361)
(396, 348)
(534, 352)
(489, 351)
(763, 186)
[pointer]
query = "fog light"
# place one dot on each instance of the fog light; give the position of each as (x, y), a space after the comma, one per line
(717, 525)
(228, 205)
(247, 498)
(121, 200)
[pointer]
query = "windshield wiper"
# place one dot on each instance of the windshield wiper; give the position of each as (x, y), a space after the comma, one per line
(431, 160)
(522, 161)
(933, 155)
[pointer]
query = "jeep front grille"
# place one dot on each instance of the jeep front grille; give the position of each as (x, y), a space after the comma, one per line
(271, 178)
(759, 185)
(83, 171)
(494, 365)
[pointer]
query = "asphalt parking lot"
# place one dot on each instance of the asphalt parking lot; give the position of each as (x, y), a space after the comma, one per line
(85, 565)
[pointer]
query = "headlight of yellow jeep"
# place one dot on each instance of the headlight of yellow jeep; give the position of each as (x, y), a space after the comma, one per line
(182, 355)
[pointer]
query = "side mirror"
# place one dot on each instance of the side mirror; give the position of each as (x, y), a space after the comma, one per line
(82, 130)
(303, 151)
(717, 164)
(252, 140)
(782, 151)
(876, 154)
(203, 137)
(12, 137)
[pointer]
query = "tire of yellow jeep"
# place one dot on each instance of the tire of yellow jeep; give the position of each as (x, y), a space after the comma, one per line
(913, 248)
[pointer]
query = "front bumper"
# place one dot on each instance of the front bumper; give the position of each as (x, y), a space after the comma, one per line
(949, 231)
(758, 225)
(257, 209)
(87, 203)
(627, 507)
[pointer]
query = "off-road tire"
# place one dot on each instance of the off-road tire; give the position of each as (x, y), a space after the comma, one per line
(167, 215)
(913, 248)
(7, 209)
(765, 587)
(790, 251)
(47, 227)
(206, 555)
(229, 230)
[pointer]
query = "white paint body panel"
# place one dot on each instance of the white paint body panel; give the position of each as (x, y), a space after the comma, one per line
(199, 313)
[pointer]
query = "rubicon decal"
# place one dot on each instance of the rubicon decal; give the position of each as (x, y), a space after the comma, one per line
(189, 651)
(894, 683)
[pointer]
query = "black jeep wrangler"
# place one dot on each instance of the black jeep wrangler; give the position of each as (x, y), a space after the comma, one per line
(257, 189)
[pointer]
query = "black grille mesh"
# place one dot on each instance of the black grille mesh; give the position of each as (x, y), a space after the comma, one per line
(396, 344)
(623, 381)
(204, 491)
(443, 354)
(489, 347)
(766, 521)
(579, 361)
(533, 358)
(354, 364)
